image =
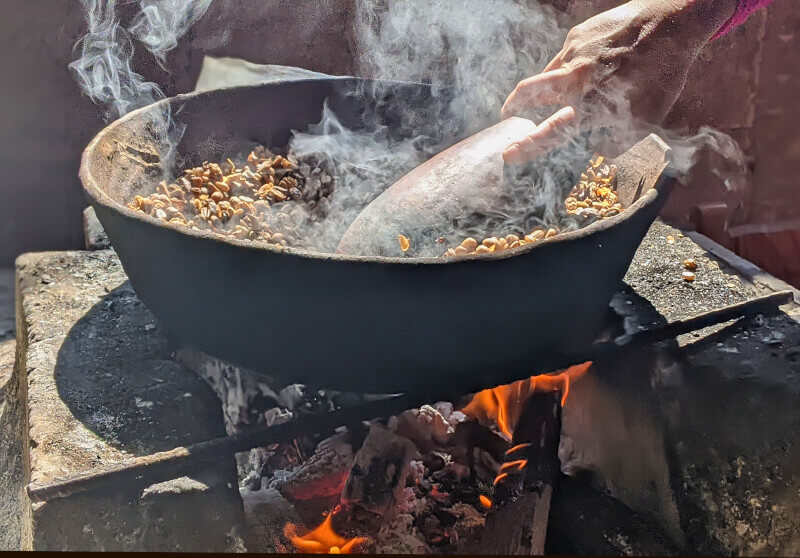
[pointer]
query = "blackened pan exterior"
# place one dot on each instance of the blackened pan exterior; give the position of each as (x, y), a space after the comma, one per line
(371, 324)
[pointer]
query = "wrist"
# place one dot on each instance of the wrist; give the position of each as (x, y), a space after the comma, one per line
(694, 22)
(711, 15)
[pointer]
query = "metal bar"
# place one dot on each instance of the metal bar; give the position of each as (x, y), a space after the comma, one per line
(147, 468)
(510, 371)
(165, 465)
(747, 309)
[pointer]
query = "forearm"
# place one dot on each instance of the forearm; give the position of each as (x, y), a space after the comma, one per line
(689, 23)
(710, 15)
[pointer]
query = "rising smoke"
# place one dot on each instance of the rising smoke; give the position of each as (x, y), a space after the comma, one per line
(479, 48)
(472, 52)
(365, 164)
(161, 23)
(103, 70)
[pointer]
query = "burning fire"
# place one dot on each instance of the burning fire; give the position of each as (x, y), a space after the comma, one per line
(504, 404)
(322, 540)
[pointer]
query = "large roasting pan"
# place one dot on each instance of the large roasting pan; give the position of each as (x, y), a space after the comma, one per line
(366, 323)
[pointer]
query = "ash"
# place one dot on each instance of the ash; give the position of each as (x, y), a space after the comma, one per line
(249, 399)
(410, 484)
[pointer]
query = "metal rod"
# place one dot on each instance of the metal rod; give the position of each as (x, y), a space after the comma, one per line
(165, 465)
(747, 309)
(512, 370)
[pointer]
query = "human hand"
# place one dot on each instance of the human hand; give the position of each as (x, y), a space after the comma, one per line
(621, 70)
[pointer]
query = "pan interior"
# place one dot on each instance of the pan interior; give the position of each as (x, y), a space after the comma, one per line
(152, 144)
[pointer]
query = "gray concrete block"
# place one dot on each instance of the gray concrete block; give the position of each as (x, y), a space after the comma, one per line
(12, 421)
(101, 388)
(11, 424)
(94, 235)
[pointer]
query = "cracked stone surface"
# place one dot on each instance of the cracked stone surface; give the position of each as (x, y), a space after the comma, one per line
(703, 438)
(11, 495)
(700, 432)
(101, 388)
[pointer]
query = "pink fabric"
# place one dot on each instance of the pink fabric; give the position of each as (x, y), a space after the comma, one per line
(743, 11)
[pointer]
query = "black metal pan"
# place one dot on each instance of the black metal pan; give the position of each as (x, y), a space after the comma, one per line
(367, 323)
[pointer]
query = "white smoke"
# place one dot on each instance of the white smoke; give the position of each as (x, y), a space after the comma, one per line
(474, 53)
(728, 161)
(480, 48)
(162, 22)
(104, 70)
(364, 163)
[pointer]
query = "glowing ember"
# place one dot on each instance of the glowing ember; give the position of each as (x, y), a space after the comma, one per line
(322, 487)
(504, 404)
(438, 495)
(485, 501)
(322, 540)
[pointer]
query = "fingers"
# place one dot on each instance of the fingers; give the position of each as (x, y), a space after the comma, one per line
(556, 62)
(548, 88)
(547, 136)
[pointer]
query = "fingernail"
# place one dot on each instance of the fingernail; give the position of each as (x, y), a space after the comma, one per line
(511, 153)
(511, 150)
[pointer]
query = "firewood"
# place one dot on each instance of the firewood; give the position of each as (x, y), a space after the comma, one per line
(517, 521)
(380, 469)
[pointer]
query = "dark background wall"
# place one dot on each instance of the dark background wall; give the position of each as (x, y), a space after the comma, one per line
(45, 122)
(743, 84)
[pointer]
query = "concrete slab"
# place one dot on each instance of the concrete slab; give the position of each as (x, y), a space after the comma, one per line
(699, 433)
(702, 438)
(101, 388)
(94, 235)
(655, 275)
(11, 493)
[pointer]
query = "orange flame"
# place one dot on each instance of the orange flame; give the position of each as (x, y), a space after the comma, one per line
(519, 464)
(504, 404)
(485, 501)
(322, 540)
(517, 448)
(498, 479)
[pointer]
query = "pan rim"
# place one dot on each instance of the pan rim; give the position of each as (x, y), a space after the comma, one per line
(99, 196)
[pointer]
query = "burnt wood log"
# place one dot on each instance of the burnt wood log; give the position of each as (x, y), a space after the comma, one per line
(517, 521)
(519, 527)
(378, 476)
